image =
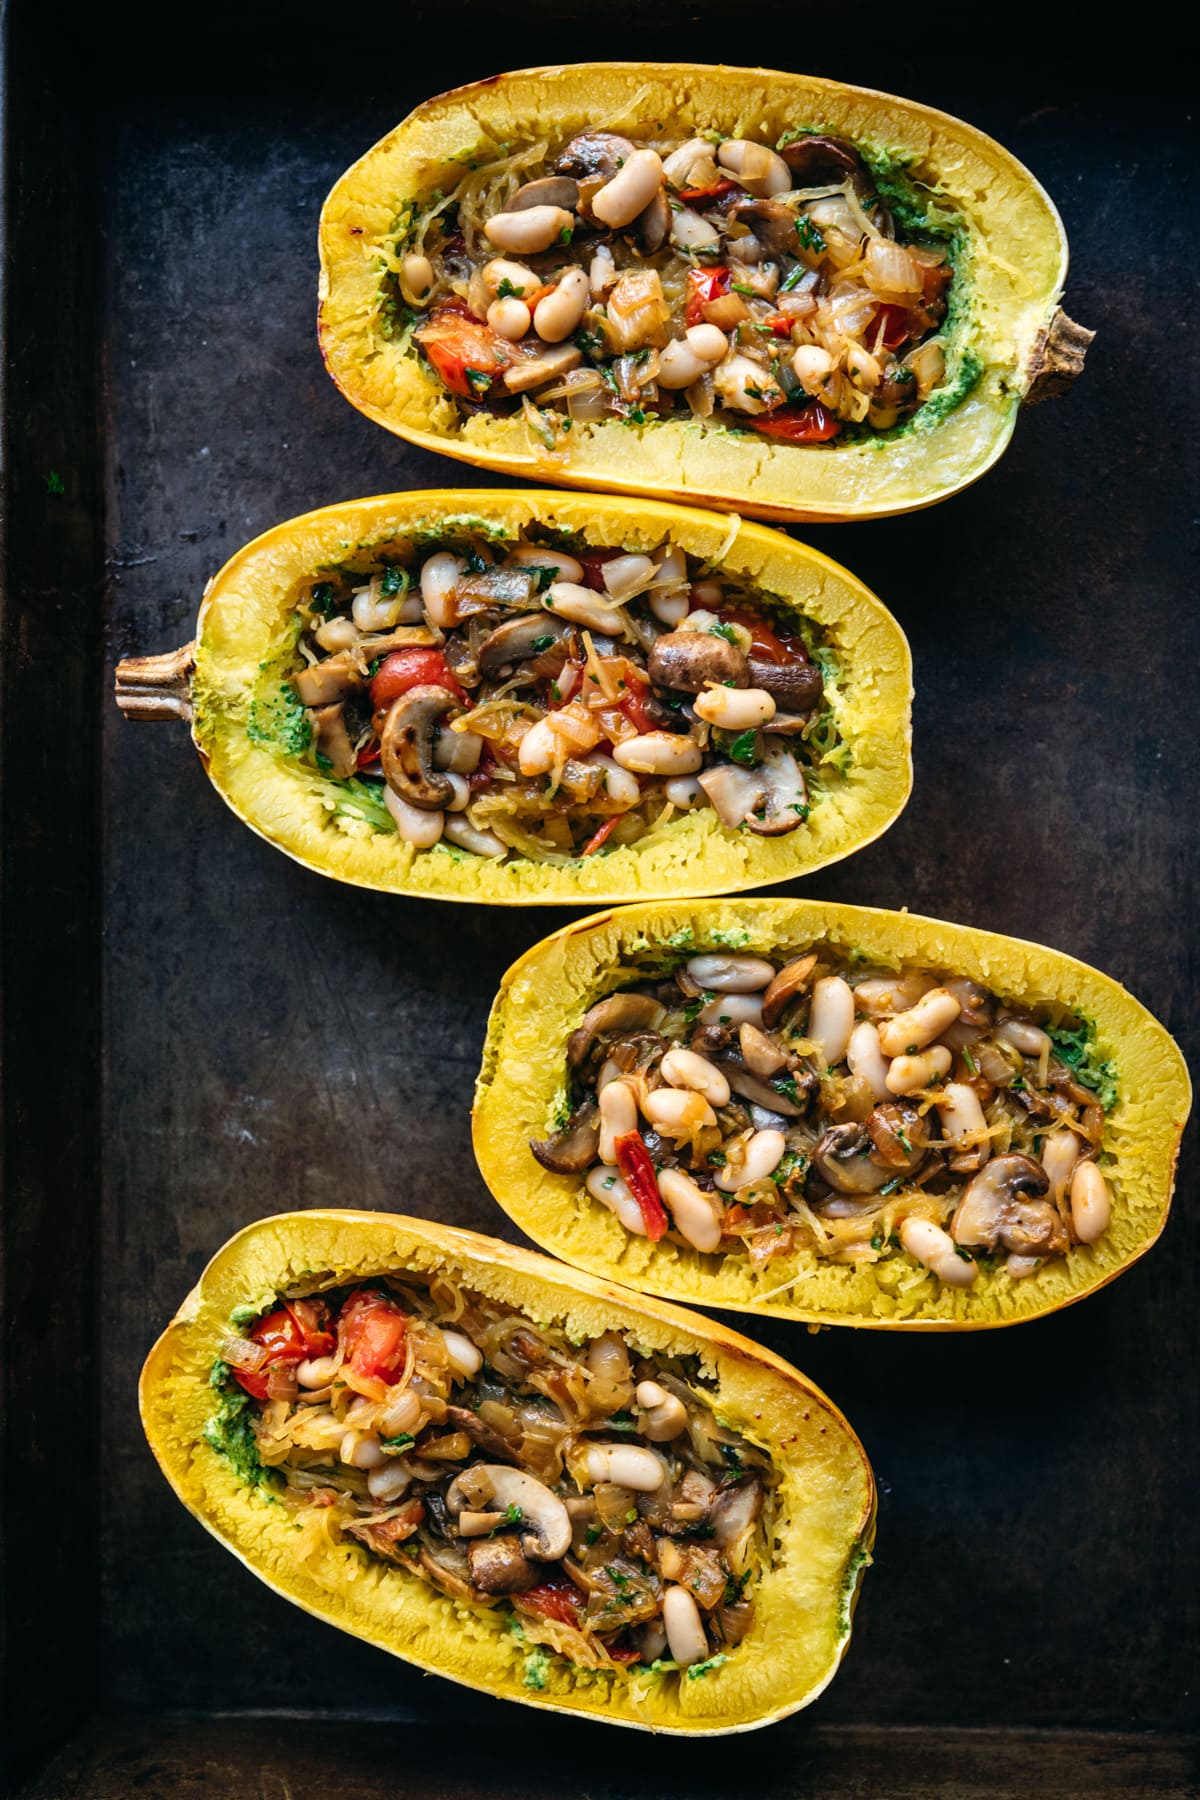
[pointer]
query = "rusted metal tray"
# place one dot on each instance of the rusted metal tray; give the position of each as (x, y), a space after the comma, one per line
(197, 1032)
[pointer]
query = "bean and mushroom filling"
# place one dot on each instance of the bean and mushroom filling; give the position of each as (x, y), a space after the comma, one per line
(550, 703)
(588, 1487)
(772, 287)
(758, 1107)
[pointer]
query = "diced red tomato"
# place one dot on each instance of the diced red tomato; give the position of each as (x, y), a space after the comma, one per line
(594, 842)
(632, 703)
(765, 643)
(810, 423)
(623, 1653)
(897, 326)
(404, 669)
(705, 285)
(466, 354)
(637, 1170)
(294, 1332)
(482, 773)
(717, 191)
(370, 754)
(560, 1600)
(781, 325)
(373, 1332)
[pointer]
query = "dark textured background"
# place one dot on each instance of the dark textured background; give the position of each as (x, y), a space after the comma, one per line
(198, 1032)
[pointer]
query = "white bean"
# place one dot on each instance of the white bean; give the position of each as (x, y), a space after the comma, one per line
(500, 270)
(669, 609)
(678, 1112)
(622, 574)
(481, 843)
(680, 163)
(659, 753)
(582, 606)
(690, 231)
(626, 1465)
(630, 191)
(866, 1059)
(530, 231)
(696, 1215)
(371, 612)
(962, 1116)
(934, 1248)
(685, 1069)
(761, 1156)
(416, 275)
(419, 828)
(404, 1414)
(618, 1117)
(602, 274)
(908, 1074)
(759, 170)
(388, 1482)
(1029, 1039)
(684, 1627)
(539, 749)
(606, 1186)
(439, 588)
(812, 367)
(458, 752)
(620, 787)
(1020, 1266)
(745, 386)
(735, 709)
(685, 792)
(361, 1450)
(532, 556)
(1091, 1203)
(732, 1009)
(465, 1357)
(731, 974)
(337, 634)
(907, 1032)
(672, 564)
(461, 797)
(1060, 1153)
(831, 1018)
(559, 312)
(685, 359)
(509, 318)
(317, 1372)
(664, 1414)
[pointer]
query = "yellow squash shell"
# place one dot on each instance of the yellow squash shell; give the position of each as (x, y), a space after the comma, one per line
(803, 1602)
(1014, 264)
(545, 994)
(245, 637)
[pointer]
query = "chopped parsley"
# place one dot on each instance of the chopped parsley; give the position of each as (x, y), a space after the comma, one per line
(394, 582)
(724, 631)
(405, 1441)
(809, 235)
(1076, 1047)
(321, 598)
(744, 749)
(506, 291)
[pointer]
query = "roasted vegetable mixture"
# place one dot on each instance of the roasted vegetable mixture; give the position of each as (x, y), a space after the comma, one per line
(751, 285)
(757, 1107)
(587, 1487)
(547, 702)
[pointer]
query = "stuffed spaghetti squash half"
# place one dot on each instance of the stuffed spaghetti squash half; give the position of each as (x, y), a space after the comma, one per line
(736, 287)
(525, 698)
(829, 1113)
(515, 1475)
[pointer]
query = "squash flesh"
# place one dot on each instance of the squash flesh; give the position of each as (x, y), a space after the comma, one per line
(826, 1494)
(1016, 269)
(544, 995)
(244, 623)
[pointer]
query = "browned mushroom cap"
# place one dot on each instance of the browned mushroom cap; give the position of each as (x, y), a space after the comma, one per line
(991, 1199)
(899, 1137)
(406, 747)
(762, 1093)
(760, 1053)
(976, 1016)
(798, 686)
(689, 659)
(785, 804)
(498, 587)
(499, 1565)
(814, 159)
(594, 153)
(538, 362)
(620, 1012)
(328, 681)
(791, 981)
(842, 1157)
(773, 224)
(733, 1515)
(333, 740)
(545, 1523)
(575, 1147)
(653, 223)
(533, 634)
(551, 190)
(1035, 1229)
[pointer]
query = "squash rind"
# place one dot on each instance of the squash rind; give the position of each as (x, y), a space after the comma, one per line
(243, 625)
(1017, 270)
(544, 994)
(827, 1493)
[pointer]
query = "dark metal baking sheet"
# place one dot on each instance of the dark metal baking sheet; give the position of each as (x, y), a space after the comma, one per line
(197, 1032)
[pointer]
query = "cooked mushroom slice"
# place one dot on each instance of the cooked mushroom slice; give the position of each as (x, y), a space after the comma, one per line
(550, 190)
(499, 1565)
(594, 153)
(497, 587)
(545, 1530)
(842, 1157)
(734, 792)
(406, 747)
(733, 1516)
(814, 159)
(575, 1147)
(899, 1137)
(760, 1093)
(791, 981)
(481, 1434)
(333, 740)
(688, 660)
(1035, 1229)
(654, 223)
(991, 1199)
(620, 1012)
(328, 681)
(540, 362)
(448, 1571)
(760, 1053)
(517, 640)
(786, 796)
(798, 686)
(772, 223)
